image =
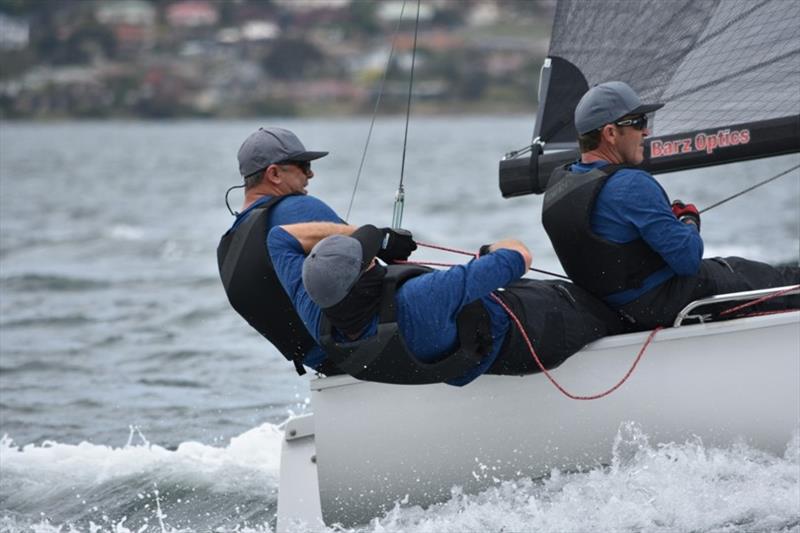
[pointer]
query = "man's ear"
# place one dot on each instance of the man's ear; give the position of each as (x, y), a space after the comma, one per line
(609, 133)
(271, 174)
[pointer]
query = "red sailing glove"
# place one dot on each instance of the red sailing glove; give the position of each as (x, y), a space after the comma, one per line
(686, 213)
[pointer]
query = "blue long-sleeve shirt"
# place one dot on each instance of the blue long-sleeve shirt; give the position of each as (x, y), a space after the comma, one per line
(632, 205)
(427, 305)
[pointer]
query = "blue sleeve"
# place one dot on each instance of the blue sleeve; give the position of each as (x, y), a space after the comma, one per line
(636, 198)
(448, 291)
(287, 258)
(428, 305)
(301, 208)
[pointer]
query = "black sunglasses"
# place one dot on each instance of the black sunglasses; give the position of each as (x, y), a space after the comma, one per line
(305, 166)
(637, 123)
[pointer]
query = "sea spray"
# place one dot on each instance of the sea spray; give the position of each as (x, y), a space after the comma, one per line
(194, 487)
(666, 488)
(143, 487)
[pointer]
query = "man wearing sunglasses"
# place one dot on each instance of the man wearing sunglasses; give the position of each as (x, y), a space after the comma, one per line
(276, 169)
(615, 231)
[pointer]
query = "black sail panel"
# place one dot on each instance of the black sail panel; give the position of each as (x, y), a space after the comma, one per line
(563, 86)
(712, 62)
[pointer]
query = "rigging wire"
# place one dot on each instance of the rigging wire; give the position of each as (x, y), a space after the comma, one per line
(729, 198)
(399, 200)
(375, 110)
(473, 254)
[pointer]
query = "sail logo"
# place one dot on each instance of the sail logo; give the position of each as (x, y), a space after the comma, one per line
(702, 142)
(664, 148)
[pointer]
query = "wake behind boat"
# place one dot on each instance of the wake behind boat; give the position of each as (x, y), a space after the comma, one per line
(729, 73)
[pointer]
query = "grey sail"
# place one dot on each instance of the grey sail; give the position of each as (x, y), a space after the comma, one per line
(727, 70)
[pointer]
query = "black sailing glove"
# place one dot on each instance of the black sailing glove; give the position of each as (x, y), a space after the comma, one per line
(397, 245)
(485, 249)
(686, 213)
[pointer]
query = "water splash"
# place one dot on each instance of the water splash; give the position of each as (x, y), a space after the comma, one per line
(88, 487)
(666, 488)
(195, 487)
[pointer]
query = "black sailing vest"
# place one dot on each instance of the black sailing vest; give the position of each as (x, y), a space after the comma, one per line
(254, 290)
(600, 266)
(385, 358)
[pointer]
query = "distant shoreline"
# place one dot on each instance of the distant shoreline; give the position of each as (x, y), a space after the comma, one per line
(425, 110)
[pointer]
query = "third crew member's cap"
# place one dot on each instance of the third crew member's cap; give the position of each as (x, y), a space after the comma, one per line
(335, 263)
(607, 102)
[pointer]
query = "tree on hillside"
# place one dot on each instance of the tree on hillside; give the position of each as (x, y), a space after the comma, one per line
(292, 59)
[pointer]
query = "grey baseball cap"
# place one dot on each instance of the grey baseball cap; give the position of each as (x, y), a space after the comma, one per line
(335, 263)
(607, 102)
(272, 145)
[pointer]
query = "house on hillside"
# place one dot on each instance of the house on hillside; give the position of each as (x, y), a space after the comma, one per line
(133, 23)
(390, 12)
(192, 14)
(311, 5)
(14, 33)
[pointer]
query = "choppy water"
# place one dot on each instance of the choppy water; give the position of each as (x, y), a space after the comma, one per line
(133, 399)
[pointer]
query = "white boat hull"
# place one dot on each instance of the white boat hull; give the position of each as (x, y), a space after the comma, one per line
(375, 444)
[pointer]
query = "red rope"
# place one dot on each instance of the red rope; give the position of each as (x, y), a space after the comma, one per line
(434, 263)
(444, 248)
(429, 263)
(473, 254)
(758, 301)
(539, 363)
(524, 334)
(766, 313)
(552, 380)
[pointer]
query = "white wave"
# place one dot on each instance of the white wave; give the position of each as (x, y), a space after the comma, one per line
(125, 232)
(673, 487)
(9, 525)
(665, 488)
(250, 462)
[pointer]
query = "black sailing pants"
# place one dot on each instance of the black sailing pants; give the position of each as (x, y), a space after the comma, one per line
(559, 318)
(660, 306)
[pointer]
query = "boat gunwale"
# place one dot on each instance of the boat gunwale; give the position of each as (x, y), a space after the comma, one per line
(635, 339)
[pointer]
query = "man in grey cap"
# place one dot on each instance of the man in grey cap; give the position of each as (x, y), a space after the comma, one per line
(276, 168)
(410, 324)
(615, 231)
